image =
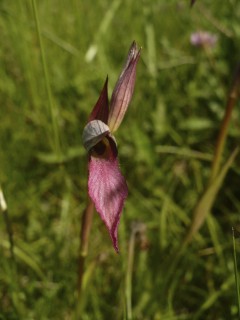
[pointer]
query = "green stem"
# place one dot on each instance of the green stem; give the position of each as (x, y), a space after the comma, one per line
(51, 108)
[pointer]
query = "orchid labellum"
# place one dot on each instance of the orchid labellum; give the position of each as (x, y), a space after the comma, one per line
(106, 185)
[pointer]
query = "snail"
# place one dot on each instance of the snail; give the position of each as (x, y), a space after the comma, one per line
(93, 133)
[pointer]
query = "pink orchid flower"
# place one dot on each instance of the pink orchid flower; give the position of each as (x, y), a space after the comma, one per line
(106, 185)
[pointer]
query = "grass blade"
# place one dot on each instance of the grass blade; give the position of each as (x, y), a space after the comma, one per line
(236, 272)
(205, 203)
(51, 106)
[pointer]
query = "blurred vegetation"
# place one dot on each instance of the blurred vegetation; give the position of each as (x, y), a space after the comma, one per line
(166, 146)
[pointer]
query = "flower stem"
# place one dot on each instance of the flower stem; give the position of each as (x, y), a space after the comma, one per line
(84, 240)
(232, 98)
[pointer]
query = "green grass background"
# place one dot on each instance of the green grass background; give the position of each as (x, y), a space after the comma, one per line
(166, 144)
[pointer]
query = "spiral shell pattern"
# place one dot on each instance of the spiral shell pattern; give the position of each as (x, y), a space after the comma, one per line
(93, 133)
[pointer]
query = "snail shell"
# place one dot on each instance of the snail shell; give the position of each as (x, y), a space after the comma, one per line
(93, 133)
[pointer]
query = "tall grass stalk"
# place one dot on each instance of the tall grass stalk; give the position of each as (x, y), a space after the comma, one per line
(51, 107)
(83, 249)
(236, 272)
(138, 230)
(129, 272)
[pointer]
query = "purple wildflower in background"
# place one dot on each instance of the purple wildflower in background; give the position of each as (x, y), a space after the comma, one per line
(106, 186)
(203, 39)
